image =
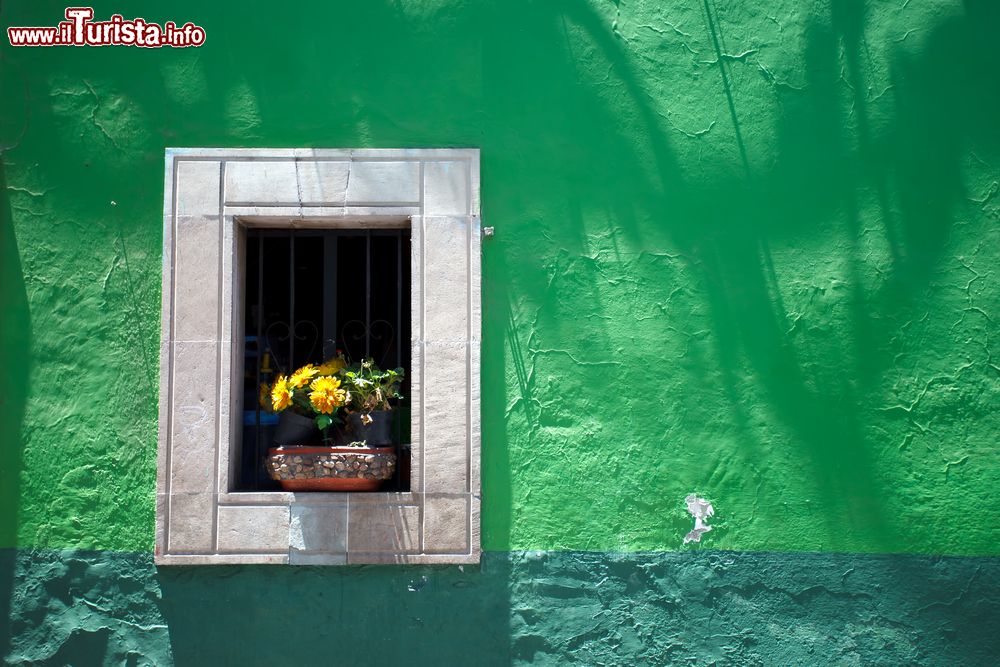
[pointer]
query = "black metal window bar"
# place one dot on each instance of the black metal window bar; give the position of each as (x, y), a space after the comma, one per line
(308, 295)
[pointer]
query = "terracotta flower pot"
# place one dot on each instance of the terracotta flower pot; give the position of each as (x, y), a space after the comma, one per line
(331, 468)
(377, 434)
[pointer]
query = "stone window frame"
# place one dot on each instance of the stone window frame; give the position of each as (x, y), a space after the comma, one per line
(210, 196)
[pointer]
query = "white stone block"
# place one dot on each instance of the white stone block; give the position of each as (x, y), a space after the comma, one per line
(168, 186)
(318, 528)
(375, 558)
(358, 498)
(445, 434)
(384, 183)
(190, 526)
(416, 418)
(475, 436)
(383, 528)
(324, 153)
(198, 184)
(322, 182)
(287, 182)
(232, 266)
(381, 558)
(302, 558)
(414, 153)
(261, 182)
(160, 538)
(475, 526)
(196, 279)
(474, 180)
(223, 559)
(417, 277)
(446, 524)
(193, 418)
(446, 188)
(313, 216)
(253, 528)
(256, 497)
(475, 279)
(446, 278)
(163, 420)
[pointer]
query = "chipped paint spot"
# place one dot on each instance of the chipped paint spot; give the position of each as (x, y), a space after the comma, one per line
(700, 509)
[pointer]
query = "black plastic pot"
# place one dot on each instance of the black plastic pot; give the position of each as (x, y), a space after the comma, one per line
(377, 434)
(294, 429)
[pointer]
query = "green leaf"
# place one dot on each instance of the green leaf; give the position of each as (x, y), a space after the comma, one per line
(323, 422)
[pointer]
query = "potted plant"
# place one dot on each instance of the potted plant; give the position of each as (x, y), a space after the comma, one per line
(309, 401)
(369, 408)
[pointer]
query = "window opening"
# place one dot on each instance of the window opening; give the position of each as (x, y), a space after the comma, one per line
(309, 294)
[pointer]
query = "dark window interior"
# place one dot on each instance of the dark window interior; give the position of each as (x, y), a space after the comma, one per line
(345, 290)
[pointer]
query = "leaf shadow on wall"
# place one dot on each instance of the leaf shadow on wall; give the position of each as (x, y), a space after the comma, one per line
(913, 165)
(15, 355)
(834, 150)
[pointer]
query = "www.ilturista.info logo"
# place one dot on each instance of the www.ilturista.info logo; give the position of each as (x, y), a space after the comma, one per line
(79, 30)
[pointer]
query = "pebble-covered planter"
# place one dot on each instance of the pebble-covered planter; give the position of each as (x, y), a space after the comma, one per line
(331, 468)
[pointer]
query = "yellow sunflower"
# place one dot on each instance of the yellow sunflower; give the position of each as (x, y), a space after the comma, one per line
(326, 395)
(281, 395)
(332, 366)
(301, 377)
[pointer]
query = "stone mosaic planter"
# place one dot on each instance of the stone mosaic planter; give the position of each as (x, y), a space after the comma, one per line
(331, 468)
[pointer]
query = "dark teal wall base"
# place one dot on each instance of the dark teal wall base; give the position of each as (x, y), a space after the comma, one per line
(544, 608)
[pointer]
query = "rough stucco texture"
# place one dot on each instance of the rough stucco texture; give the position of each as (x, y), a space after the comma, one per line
(746, 250)
(522, 608)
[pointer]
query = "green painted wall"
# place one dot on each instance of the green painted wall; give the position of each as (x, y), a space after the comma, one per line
(743, 249)
(746, 250)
